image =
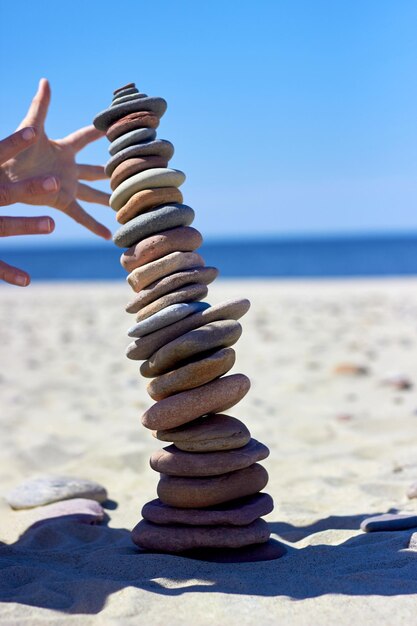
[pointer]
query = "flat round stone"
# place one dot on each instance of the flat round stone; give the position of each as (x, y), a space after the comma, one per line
(133, 166)
(126, 97)
(158, 147)
(106, 118)
(161, 218)
(123, 88)
(208, 434)
(132, 121)
(167, 284)
(125, 91)
(165, 317)
(192, 493)
(192, 375)
(148, 199)
(143, 276)
(147, 346)
(173, 462)
(183, 239)
(235, 513)
(188, 293)
(148, 179)
(268, 551)
(213, 397)
(412, 491)
(389, 521)
(51, 488)
(220, 334)
(80, 510)
(131, 138)
(177, 538)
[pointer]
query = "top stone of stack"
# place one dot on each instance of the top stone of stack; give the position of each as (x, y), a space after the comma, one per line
(128, 99)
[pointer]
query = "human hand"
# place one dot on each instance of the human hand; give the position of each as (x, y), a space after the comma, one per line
(54, 160)
(22, 191)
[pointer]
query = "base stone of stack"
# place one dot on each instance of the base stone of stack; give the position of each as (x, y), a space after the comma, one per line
(268, 551)
(177, 538)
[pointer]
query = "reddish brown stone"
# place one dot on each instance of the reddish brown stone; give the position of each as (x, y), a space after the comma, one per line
(182, 239)
(132, 121)
(192, 375)
(177, 538)
(213, 397)
(220, 334)
(197, 493)
(174, 462)
(147, 199)
(207, 434)
(135, 165)
(173, 282)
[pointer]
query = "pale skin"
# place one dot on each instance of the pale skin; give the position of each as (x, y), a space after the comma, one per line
(40, 171)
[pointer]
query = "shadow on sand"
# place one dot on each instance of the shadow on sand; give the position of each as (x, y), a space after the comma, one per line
(74, 568)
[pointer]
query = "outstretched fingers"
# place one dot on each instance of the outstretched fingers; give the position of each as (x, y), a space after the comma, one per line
(91, 172)
(13, 275)
(30, 191)
(11, 226)
(81, 138)
(78, 214)
(89, 194)
(38, 108)
(17, 142)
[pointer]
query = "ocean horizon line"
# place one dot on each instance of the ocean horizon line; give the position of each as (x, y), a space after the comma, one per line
(10, 244)
(291, 257)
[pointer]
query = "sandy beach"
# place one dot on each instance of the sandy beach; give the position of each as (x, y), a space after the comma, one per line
(321, 357)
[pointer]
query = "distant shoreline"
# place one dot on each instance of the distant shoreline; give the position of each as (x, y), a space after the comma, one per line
(284, 257)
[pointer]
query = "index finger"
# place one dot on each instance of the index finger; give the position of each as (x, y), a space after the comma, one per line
(19, 141)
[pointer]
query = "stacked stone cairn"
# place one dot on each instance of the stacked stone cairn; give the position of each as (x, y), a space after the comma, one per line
(210, 478)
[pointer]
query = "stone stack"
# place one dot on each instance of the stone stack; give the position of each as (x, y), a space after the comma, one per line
(211, 479)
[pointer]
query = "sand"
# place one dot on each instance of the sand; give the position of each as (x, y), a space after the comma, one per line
(342, 447)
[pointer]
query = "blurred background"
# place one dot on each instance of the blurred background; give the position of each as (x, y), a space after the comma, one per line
(295, 123)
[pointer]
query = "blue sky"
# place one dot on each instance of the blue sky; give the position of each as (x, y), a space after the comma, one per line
(287, 116)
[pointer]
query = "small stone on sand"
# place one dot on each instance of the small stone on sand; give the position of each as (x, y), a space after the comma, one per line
(48, 489)
(79, 510)
(412, 491)
(389, 522)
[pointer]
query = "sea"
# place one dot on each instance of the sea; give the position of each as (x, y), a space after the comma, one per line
(275, 257)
